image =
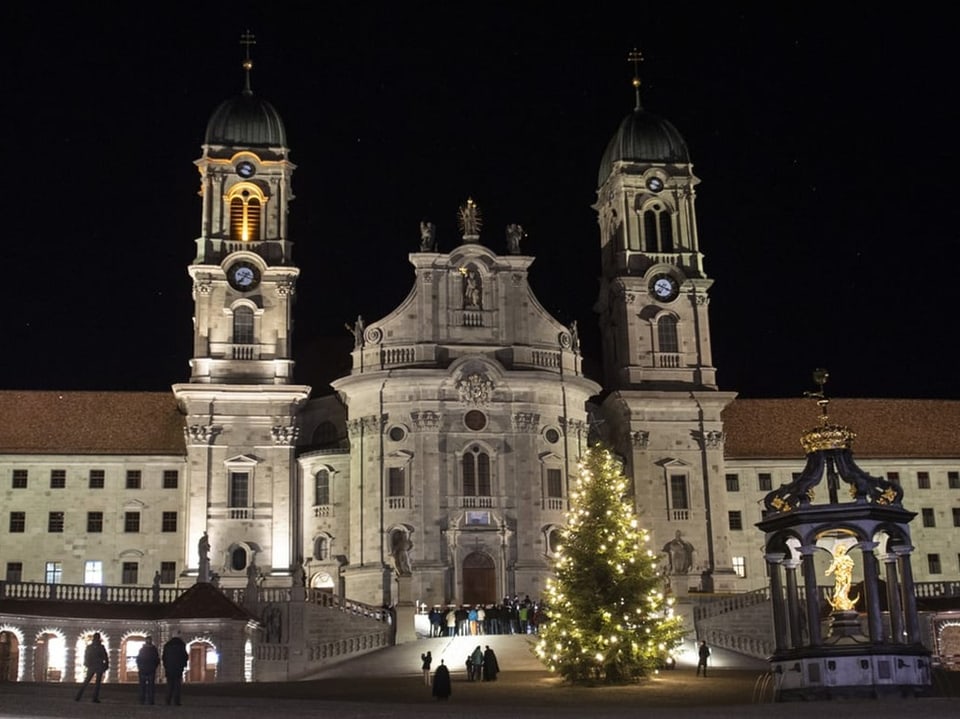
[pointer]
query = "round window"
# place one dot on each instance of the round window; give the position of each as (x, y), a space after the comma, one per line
(475, 420)
(397, 433)
(552, 436)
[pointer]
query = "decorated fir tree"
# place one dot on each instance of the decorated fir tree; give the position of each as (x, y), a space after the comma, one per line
(609, 618)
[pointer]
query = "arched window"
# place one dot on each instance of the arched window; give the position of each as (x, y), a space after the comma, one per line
(322, 487)
(245, 217)
(667, 339)
(657, 228)
(238, 559)
(321, 548)
(243, 326)
(476, 473)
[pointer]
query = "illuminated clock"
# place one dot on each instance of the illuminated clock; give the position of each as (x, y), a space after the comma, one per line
(246, 169)
(665, 288)
(243, 276)
(654, 184)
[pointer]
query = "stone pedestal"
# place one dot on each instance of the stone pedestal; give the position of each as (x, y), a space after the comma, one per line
(406, 612)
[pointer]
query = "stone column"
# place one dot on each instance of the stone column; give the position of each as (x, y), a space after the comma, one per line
(793, 603)
(811, 595)
(893, 598)
(406, 610)
(908, 595)
(776, 600)
(871, 588)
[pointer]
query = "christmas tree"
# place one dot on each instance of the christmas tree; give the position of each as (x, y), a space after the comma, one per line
(610, 620)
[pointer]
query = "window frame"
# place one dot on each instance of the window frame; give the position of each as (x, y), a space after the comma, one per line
(134, 479)
(94, 522)
(18, 522)
(56, 521)
(131, 522)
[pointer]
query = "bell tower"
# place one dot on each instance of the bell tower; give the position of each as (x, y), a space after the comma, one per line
(663, 409)
(654, 291)
(240, 404)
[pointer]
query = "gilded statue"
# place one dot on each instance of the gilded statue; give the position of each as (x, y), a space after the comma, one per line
(842, 570)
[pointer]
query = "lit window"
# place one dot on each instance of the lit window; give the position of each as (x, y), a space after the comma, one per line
(53, 573)
(740, 566)
(93, 571)
(245, 217)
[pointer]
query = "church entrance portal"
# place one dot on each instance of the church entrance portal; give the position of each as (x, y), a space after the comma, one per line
(479, 579)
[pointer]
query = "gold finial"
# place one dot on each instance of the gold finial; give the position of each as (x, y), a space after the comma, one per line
(468, 217)
(636, 57)
(826, 436)
(246, 40)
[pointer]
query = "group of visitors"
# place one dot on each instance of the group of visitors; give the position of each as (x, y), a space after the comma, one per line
(512, 616)
(174, 659)
(481, 665)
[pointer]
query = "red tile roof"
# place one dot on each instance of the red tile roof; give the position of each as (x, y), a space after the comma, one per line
(885, 428)
(50, 422)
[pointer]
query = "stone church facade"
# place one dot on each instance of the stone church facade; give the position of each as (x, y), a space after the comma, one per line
(438, 471)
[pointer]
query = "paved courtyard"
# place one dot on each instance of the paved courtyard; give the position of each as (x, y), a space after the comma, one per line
(389, 683)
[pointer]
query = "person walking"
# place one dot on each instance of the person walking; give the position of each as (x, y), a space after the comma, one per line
(97, 662)
(441, 682)
(703, 652)
(175, 660)
(148, 659)
(490, 665)
(427, 660)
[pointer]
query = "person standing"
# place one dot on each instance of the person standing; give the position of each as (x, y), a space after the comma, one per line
(476, 664)
(175, 659)
(427, 660)
(441, 682)
(148, 659)
(97, 662)
(703, 652)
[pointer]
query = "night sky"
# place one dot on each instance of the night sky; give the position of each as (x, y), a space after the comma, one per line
(823, 139)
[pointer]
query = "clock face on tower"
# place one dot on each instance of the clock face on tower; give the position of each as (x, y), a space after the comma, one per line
(243, 276)
(665, 288)
(246, 169)
(654, 184)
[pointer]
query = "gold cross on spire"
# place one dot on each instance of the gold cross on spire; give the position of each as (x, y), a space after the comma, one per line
(246, 40)
(636, 57)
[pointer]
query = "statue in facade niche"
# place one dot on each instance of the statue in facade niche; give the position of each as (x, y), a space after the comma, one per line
(472, 290)
(679, 555)
(400, 549)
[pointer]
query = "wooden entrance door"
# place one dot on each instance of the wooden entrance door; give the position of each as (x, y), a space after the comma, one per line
(479, 579)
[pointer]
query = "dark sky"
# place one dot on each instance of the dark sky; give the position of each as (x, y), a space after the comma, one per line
(823, 140)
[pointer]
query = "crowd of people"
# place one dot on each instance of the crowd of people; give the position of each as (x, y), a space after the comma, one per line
(511, 616)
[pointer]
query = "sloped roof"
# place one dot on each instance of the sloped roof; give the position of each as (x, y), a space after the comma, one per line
(51, 422)
(885, 428)
(205, 601)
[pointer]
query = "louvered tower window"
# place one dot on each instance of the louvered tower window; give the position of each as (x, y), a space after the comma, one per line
(245, 217)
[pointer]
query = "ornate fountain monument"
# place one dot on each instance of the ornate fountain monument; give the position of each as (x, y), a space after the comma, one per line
(858, 640)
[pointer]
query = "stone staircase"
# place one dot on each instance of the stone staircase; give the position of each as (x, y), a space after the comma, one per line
(741, 623)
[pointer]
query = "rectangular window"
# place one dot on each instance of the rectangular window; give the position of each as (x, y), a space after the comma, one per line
(928, 517)
(169, 522)
(239, 489)
(733, 482)
(740, 566)
(131, 522)
(129, 573)
(53, 573)
(678, 492)
(893, 477)
(396, 482)
(97, 478)
(554, 483)
(134, 477)
(764, 481)
(14, 572)
(956, 516)
(953, 480)
(321, 488)
(168, 572)
(55, 522)
(19, 479)
(933, 564)
(18, 522)
(171, 478)
(736, 520)
(93, 571)
(58, 478)
(94, 522)
(923, 480)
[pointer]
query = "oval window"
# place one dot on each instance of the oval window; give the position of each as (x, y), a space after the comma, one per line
(475, 420)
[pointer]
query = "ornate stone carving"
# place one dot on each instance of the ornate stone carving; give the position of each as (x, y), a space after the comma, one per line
(426, 419)
(515, 233)
(526, 421)
(201, 433)
(202, 285)
(428, 236)
(287, 286)
(640, 438)
(475, 389)
(572, 427)
(284, 435)
(469, 220)
(711, 439)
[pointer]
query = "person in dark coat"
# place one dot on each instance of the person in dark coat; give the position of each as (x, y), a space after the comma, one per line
(148, 659)
(703, 653)
(441, 682)
(490, 665)
(97, 662)
(175, 659)
(426, 660)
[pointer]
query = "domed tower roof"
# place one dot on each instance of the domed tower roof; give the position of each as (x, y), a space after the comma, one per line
(247, 121)
(643, 137)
